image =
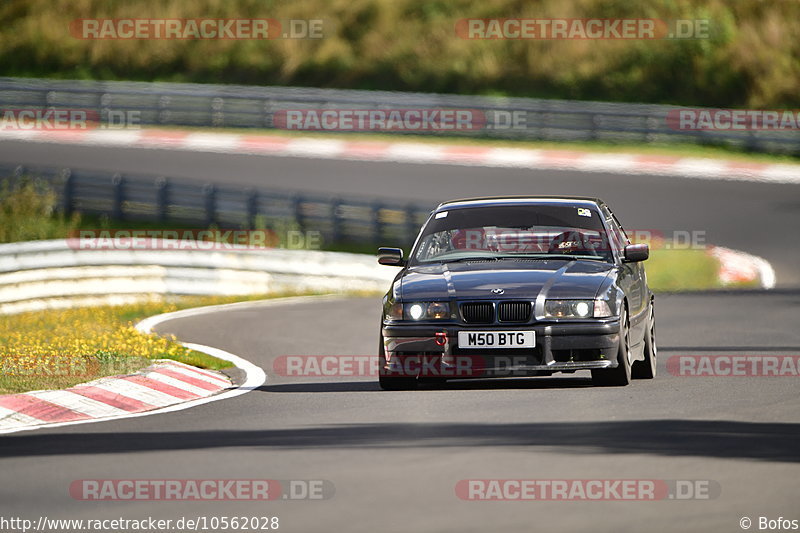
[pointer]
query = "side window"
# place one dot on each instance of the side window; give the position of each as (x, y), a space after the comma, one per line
(618, 236)
(621, 230)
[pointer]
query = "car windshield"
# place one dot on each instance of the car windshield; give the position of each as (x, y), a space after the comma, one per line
(565, 232)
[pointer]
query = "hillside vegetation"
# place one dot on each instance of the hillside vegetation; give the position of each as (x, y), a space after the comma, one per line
(752, 58)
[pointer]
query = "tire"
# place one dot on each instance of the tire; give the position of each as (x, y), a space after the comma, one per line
(436, 382)
(647, 369)
(388, 383)
(621, 375)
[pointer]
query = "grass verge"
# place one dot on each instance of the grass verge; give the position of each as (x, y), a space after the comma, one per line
(672, 270)
(60, 348)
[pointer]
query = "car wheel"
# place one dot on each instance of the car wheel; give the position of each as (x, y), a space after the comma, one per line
(621, 375)
(647, 369)
(392, 382)
(436, 382)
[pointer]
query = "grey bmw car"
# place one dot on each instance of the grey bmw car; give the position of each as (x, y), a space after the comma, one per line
(518, 286)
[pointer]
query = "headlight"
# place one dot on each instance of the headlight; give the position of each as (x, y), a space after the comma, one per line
(416, 311)
(438, 310)
(427, 310)
(576, 309)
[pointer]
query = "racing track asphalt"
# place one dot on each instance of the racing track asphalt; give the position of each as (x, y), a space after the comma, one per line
(395, 458)
(758, 218)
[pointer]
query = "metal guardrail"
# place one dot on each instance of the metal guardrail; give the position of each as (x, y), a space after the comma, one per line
(40, 275)
(235, 106)
(132, 198)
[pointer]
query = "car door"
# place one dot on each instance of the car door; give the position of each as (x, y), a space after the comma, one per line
(632, 282)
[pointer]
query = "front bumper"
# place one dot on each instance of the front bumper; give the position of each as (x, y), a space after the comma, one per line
(432, 351)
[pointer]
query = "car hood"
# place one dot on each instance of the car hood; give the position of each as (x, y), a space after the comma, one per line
(518, 279)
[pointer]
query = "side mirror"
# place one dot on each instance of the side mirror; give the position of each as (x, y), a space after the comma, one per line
(634, 253)
(391, 257)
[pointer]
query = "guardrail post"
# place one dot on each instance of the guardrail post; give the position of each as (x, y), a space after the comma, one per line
(67, 191)
(297, 211)
(19, 171)
(163, 110)
(593, 131)
(648, 127)
(118, 183)
(377, 223)
(210, 203)
(336, 220)
(266, 113)
(411, 224)
(217, 112)
(162, 198)
(252, 208)
(104, 104)
(751, 144)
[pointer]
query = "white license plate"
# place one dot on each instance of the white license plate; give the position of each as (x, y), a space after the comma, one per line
(496, 339)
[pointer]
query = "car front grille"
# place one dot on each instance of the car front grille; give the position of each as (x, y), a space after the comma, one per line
(514, 312)
(477, 312)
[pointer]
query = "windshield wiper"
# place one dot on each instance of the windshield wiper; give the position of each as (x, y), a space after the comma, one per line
(563, 257)
(465, 259)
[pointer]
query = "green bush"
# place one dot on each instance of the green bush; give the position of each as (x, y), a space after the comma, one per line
(750, 60)
(27, 212)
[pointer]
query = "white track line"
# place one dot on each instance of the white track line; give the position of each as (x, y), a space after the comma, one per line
(254, 375)
(147, 325)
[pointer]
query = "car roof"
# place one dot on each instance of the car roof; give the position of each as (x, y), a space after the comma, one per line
(520, 200)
